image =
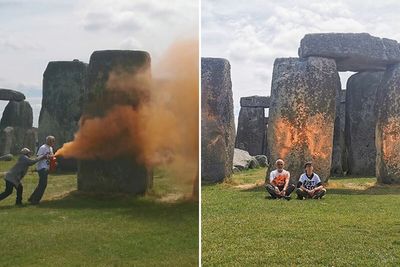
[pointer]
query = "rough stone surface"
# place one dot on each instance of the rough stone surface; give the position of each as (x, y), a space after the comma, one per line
(63, 89)
(251, 130)
(7, 157)
(337, 168)
(243, 160)
(388, 127)
(352, 51)
(123, 173)
(302, 113)
(255, 101)
(17, 114)
(361, 121)
(262, 160)
(343, 148)
(217, 120)
(11, 95)
(6, 140)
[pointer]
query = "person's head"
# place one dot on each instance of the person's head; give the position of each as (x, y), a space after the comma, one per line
(25, 151)
(279, 164)
(309, 167)
(50, 140)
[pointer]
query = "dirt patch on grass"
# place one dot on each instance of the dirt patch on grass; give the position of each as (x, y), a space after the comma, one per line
(353, 186)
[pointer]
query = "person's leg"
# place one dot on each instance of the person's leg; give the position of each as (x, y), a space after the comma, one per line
(320, 193)
(271, 190)
(7, 191)
(41, 187)
(290, 189)
(20, 190)
(301, 194)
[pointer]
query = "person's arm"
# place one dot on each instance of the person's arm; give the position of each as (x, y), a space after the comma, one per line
(286, 182)
(30, 162)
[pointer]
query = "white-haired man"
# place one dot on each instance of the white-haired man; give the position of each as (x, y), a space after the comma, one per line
(14, 176)
(278, 186)
(43, 169)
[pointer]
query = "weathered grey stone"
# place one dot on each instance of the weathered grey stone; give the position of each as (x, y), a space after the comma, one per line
(217, 120)
(11, 95)
(251, 130)
(352, 51)
(17, 114)
(361, 121)
(7, 157)
(243, 160)
(6, 140)
(31, 139)
(338, 152)
(63, 90)
(302, 113)
(255, 101)
(262, 160)
(388, 127)
(122, 173)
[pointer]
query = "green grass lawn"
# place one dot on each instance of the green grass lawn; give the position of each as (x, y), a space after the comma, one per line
(72, 229)
(356, 224)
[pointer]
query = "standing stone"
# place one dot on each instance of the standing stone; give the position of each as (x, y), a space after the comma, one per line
(352, 51)
(19, 116)
(217, 120)
(63, 89)
(122, 173)
(361, 121)
(251, 124)
(302, 113)
(388, 127)
(6, 140)
(338, 135)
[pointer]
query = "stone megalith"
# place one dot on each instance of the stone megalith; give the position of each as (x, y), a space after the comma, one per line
(302, 113)
(11, 95)
(352, 51)
(6, 140)
(337, 168)
(388, 127)
(217, 120)
(361, 121)
(251, 125)
(122, 173)
(19, 116)
(63, 91)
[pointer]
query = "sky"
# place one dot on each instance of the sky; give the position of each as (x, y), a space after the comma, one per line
(252, 34)
(34, 32)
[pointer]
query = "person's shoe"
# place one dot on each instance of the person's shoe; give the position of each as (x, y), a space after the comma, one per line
(287, 198)
(33, 202)
(19, 204)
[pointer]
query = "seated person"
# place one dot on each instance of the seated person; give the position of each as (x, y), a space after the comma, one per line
(278, 186)
(310, 185)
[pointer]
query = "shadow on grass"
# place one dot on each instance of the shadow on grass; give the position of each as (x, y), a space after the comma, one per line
(374, 190)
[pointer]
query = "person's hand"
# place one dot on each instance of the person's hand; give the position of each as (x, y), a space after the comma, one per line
(312, 192)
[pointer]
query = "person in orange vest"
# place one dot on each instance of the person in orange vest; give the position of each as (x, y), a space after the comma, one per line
(278, 186)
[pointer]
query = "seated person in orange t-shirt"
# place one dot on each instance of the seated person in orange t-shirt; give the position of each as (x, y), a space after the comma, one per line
(278, 186)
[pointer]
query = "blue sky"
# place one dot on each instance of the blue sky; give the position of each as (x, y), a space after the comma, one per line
(252, 33)
(34, 32)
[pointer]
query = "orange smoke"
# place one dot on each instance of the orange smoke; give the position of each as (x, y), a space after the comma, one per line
(160, 132)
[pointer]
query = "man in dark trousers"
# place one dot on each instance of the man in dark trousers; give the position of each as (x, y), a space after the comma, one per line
(278, 186)
(43, 169)
(310, 185)
(14, 176)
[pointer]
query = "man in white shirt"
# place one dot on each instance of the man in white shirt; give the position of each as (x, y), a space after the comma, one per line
(278, 186)
(310, 185)
(43, 169)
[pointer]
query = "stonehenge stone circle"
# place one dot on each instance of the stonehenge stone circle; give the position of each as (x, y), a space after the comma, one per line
(11, 95)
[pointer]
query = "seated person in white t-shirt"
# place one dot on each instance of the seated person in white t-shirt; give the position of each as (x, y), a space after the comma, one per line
(310, 185)
(278, 185)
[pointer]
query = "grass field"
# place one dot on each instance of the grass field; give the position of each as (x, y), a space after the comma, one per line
(72, 229)
(356, 224)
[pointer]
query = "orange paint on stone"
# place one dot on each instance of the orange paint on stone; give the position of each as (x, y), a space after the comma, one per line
(391, 143)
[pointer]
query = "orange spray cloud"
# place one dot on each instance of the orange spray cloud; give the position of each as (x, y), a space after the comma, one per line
(162, 131)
